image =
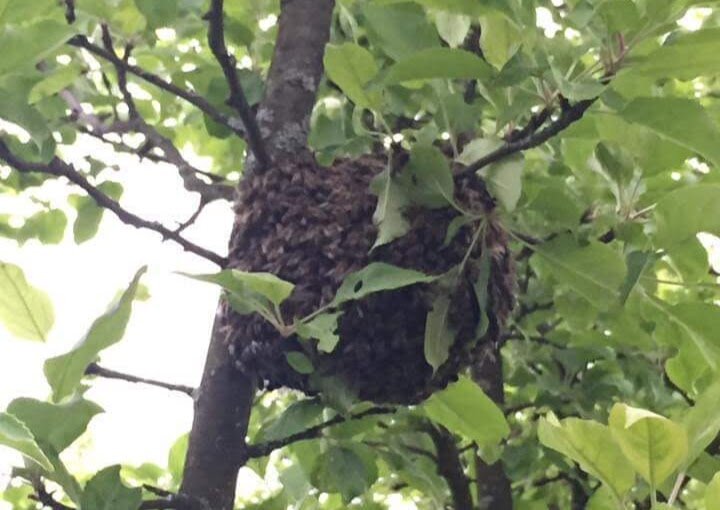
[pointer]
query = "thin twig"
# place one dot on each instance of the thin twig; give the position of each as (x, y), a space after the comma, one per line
(262, 449)
(237, 99)
(568, 116)
(60, 168)
(106, 373)
(81, 41)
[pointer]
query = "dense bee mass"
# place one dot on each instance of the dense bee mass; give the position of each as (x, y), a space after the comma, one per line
(312, 225)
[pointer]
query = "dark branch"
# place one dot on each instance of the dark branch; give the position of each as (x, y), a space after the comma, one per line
(450, 467)
(70, 11)
(46, 499)
(60, 168)
(568, 116)
(106, 373)
(262, 449)
(237, 99)
(81, 41)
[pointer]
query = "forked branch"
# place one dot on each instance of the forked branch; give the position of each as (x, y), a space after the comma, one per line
(60, 168)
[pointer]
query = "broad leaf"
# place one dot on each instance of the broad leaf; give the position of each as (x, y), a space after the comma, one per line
(591, 445)
(388, 215)
(60, 79)
(351, 67)
(654, 445)
(700, 206)
(499, 39)
(31, 43)
(438, 335)
(106, 491)
(699, 321)
(299, 362)
(682, 121)
(702, 422)
(427, 178)
(463, 408)
(400, 29)
(686, 57)
(296, 418)
(55, 425)
(324, 329)
(443, 63)
(89, 214)
(26, 311)
(712, 494)
(14, 434)
(595, 271)
(65, 372)
(377, 277)
(342, 470)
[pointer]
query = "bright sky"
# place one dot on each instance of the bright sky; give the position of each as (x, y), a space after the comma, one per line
(167, 335)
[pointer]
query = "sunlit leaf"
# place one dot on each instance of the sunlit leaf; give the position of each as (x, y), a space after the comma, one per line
(24, 310)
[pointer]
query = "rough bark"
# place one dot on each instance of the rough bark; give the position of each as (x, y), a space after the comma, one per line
(217, 447)
(450, 467)
(493, 485)
(295, 72)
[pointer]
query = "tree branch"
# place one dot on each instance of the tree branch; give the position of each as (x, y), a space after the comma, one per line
(70, 11)
(106, 373)
(237, 99)
(60, 168)
(188, 173)
(569, 115)
(235, 125)
(450, 467)
(266, 448)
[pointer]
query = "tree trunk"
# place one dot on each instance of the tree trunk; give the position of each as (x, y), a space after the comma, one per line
(493, 485)
(223, 403)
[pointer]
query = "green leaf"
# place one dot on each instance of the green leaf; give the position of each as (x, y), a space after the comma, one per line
(636, 262)
(48, 227)
(351, 67)
(700, 206)
(388, 215)
(59, 80)
(702, 422)
(453, 28)
(377, 277)
(296, 418)
(342, 470)
(14, 434)
(682, 121)
(654, 445)
(463, 408)
(106, 491)
(468, 7)
(432, 63)
(241, 283)
(712, 494)
(299, 362)
(176, 457)
(25, 311)
(31, 43)
(595, 271)
(685, 57)
(698, 321)
(480, 288)
(65, 372)
(158, 13)
(427, 178)
(89, 214)
(504, 178)
(438, 335)
(56, 425)
(324, 329)
(591, 445)
(499, 39)
(399, 29)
